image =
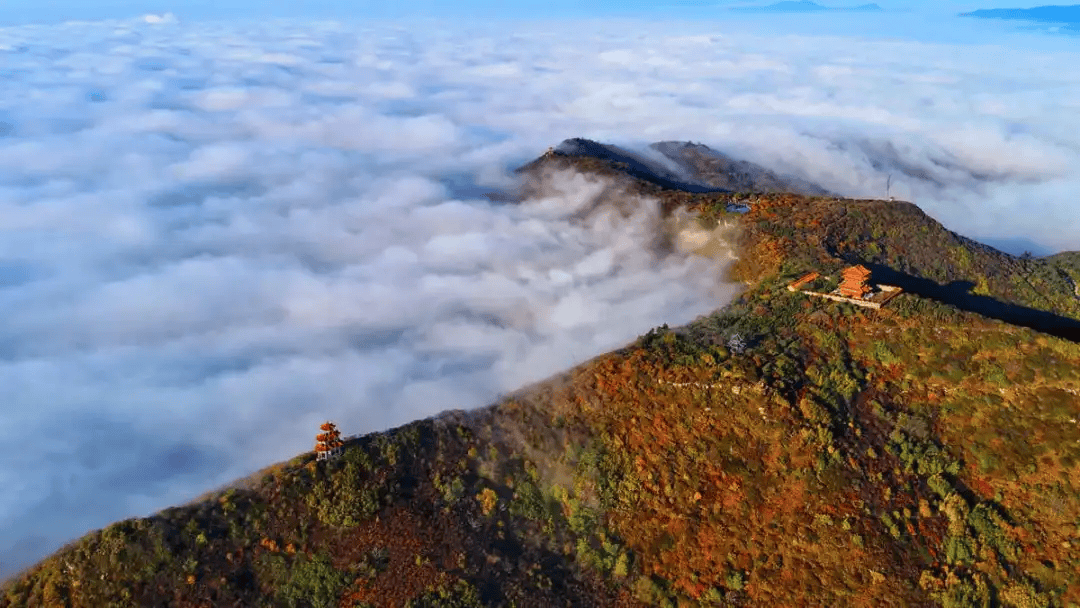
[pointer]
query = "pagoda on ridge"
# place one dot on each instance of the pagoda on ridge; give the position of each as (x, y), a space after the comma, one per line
(855, 280)
(328, 443)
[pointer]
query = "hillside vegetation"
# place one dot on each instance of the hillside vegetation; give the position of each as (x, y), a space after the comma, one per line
(782, 451)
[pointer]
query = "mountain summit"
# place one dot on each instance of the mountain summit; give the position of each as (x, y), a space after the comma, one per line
(675, 166)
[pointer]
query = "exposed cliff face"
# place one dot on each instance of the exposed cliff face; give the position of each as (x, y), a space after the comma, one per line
(781, 451)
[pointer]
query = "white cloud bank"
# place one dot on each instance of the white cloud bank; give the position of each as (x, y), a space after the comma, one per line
(214, 237)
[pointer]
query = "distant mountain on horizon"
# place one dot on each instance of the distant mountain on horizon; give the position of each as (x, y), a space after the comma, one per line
(804, 6)
(1045, 14)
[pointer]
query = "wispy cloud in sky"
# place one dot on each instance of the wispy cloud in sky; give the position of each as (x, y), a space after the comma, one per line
(215, 236)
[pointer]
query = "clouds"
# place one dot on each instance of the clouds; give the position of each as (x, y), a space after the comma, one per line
(157, 11)
(215, 236)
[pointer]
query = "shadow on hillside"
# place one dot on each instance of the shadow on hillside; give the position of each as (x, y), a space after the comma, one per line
(959, 294)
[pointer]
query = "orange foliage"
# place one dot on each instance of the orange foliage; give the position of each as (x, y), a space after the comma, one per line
(692, 520)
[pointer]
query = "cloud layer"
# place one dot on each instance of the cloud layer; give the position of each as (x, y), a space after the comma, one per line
(216, 236)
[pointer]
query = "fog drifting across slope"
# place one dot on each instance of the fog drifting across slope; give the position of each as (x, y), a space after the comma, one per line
(176, 321)
(216, 236)
(162, 380)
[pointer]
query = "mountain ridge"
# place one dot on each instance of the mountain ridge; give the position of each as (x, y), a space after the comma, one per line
(698, 169)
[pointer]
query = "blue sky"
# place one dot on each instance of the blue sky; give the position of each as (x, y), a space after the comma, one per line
(14, 11)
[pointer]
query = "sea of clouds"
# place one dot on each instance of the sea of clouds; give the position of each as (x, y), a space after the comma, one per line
(215, 236)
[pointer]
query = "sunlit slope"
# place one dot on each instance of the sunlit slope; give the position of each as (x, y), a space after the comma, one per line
(783, 451)
(786, 235)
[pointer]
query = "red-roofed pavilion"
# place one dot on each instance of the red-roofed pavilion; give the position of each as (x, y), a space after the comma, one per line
(855, 280)
(328, 443)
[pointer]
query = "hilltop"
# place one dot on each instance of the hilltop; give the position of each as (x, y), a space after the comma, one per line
(780, 451)
(676, 172)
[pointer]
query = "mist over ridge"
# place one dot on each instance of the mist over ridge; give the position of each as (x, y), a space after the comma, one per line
(217, 236)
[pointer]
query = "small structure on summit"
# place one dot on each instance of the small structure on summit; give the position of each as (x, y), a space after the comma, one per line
(328, 443)
(855, 280)
(854, 288)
